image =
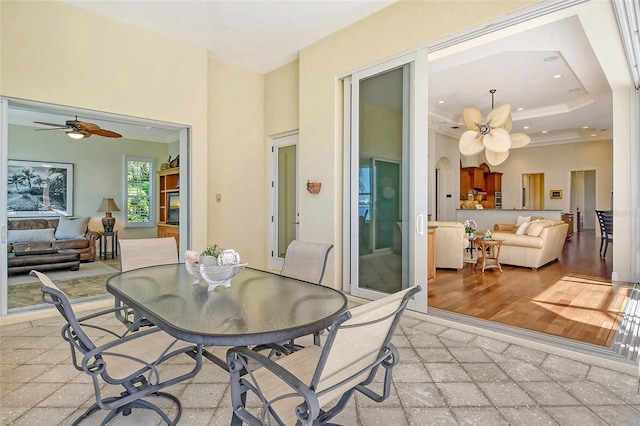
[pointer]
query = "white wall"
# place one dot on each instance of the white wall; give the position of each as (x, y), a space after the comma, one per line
(557, 162)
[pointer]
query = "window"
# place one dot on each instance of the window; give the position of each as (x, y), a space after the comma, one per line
(140, 200)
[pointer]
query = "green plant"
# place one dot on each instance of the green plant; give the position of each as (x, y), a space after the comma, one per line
(213, 250)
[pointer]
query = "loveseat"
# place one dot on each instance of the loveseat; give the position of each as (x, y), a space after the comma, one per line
(531, 244)
(68, 235)
(450, 244)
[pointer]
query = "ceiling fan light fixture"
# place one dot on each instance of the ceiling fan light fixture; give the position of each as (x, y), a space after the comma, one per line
(491, 134)
(74, 134)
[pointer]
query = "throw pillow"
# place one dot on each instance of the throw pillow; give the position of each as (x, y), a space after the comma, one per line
(523, 228)
(30, 235)
(71, 228)
(522, 219)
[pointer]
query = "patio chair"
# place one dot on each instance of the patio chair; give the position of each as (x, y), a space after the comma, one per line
(306, 261)
(605, 221)
(140, 253)
(295, 389)
(135, 361)
(303, 261)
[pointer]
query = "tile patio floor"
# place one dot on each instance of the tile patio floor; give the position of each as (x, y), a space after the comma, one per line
(446, 376)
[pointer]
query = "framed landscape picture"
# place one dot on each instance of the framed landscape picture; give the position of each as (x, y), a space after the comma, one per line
(36, 188)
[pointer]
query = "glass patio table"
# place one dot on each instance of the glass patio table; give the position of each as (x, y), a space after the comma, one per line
(259, 307)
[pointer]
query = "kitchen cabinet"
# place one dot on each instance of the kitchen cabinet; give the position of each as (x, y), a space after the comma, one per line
(470, 178)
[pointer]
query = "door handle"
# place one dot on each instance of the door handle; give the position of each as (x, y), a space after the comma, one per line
(420, 224)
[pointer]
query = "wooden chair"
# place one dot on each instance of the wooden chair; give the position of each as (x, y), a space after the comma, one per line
(141, 253)
(301, 388)
(306, 261)
(605, 221)
(133, 363)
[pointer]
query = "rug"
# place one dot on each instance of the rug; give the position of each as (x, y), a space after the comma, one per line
(89, 269)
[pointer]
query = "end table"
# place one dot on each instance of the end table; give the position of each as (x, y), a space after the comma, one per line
(488, 253)
(103, 244)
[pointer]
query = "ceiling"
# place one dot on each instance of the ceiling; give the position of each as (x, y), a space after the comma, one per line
(575, 107)
(264, 34)
(260, 35)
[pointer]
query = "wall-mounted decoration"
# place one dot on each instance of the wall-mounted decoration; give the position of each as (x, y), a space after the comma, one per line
(555, 194)
(314, 187)
(36, 188)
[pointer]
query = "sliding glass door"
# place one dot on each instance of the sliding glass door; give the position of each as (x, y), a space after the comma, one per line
(387, 182)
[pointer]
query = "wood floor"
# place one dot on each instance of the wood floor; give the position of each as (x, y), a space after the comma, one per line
(573, 298)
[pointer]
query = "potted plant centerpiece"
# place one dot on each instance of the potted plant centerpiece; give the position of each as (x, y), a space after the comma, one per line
(214, 265)
(470, 229)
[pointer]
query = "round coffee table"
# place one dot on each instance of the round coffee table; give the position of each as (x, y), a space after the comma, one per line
(488, 254)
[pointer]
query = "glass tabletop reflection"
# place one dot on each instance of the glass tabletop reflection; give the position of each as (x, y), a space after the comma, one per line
(258, 308)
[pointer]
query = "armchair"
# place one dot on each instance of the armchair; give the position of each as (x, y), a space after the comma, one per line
(135, 361)
(296, 389)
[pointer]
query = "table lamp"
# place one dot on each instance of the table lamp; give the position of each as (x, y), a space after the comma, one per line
(108, 206)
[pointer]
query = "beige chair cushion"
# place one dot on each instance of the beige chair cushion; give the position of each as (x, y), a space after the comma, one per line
(140, 253)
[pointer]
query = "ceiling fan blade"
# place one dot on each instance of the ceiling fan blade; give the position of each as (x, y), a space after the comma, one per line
(469, 144)
(499, 115)
(495, 158)
(105, 133)
(86, 126)
(497, 140)
(472, 118)
(53, 128)
(518, 140)
(61, 126)
(508, 125)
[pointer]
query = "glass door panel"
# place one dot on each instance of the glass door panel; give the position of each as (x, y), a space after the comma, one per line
(383, 142)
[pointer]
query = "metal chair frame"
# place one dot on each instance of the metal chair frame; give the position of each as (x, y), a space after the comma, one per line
(144, 380)
(313, 376)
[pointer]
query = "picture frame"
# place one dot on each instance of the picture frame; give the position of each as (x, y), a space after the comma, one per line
(39, 189)
(555, 194)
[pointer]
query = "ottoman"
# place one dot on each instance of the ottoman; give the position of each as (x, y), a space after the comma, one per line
(45, 260)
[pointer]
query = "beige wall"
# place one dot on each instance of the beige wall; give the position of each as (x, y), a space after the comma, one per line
(236, 163)
(98, 169)
(281, 99)
(57, 53)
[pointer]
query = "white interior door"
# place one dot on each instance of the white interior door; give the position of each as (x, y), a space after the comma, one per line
(284, 196)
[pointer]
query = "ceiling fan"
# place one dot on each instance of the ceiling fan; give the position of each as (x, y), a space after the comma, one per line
(490, 134)
(81, 129)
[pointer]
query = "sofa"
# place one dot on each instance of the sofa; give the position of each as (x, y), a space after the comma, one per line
(532, 243)
(450, 244)
(55, 243)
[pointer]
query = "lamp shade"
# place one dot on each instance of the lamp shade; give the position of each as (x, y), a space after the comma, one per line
(108, 205)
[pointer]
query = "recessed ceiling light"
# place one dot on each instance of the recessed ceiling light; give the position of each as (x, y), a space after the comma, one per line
(585, 127)
(525, 127)
(557, 76)
(441, 102)
(550, 58)
(593, 134)
(519, 109)
(545, 131)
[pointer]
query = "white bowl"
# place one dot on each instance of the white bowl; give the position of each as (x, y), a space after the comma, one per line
(216, 275)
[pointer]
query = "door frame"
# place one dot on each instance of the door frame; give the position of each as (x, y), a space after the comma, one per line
(279, 141)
